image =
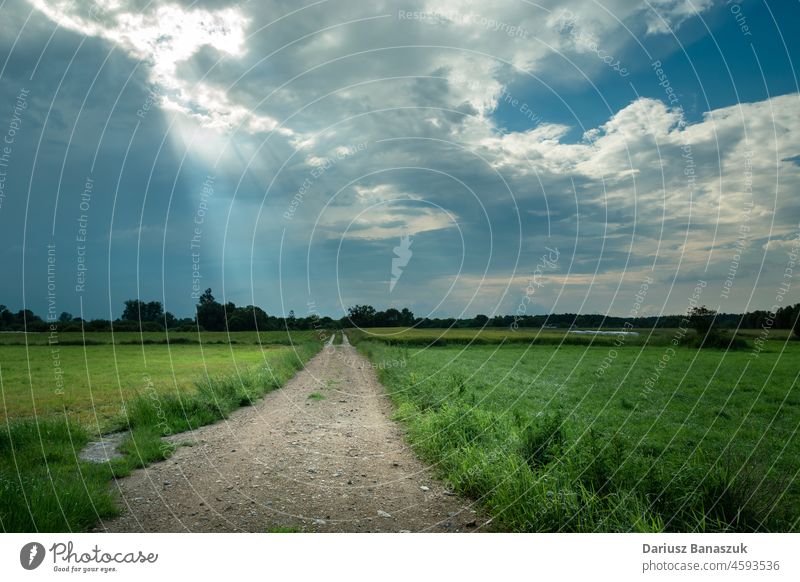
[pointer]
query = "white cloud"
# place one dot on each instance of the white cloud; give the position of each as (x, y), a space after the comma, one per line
(166, 36)
(666, 16)
(476, 40)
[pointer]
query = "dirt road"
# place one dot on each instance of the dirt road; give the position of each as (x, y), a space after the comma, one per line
(334, 462)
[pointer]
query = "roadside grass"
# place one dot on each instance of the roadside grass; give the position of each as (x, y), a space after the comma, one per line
(44, 487)
(546, 443)
(316, 396)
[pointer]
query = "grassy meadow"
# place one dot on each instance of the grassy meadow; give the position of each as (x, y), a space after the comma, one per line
(549, 431)
(150, 388)
(99, 381)
(74, 338)
(530, 336)
(602, 437)
(91, 378)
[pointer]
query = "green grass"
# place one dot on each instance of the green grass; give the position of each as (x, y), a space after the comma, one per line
(72, 338)
(43, 484)
(216, 396)
(43, 487)
(562, 438)
(434, 337)
(98, 381)
(316, 396)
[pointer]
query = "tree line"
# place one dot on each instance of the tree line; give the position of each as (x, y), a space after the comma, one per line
(783, 318)
(211, 315)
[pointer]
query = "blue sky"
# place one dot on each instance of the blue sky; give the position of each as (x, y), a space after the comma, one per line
(325, 132)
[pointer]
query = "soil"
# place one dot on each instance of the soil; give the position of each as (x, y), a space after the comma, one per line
(296, 461)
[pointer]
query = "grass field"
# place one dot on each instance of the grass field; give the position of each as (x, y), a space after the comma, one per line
(72, 338)
(96, 382)
(153, 389)
(577, 438)
(549, 431)
(490, 336)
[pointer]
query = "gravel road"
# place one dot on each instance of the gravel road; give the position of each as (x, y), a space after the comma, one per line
(331, 464)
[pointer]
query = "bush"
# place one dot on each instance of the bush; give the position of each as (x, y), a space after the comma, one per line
(716, 339)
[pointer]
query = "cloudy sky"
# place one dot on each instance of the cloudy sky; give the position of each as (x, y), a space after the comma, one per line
(554, 154)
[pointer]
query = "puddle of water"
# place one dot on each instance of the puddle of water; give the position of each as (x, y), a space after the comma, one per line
(105, 449)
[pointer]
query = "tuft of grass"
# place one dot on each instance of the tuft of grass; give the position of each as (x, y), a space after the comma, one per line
(542, 441)
(316, 396)
(740, 494)
(144, 446)
(282, 529)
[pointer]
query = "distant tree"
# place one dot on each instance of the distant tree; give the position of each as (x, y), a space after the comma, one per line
(98, 325)
(361, 315)
(481, 320)
(136, 310)
(259, 317)
(154, 311)
(501, 321)
(207, 297)
(65, 317)
(709, 332)
(133, 310)
(783, 318)
(6, 318)
(170, 320)
(388, 318)
(796, 323)
(210, 313)
(702, 319)
(25, 318)
(239, 320)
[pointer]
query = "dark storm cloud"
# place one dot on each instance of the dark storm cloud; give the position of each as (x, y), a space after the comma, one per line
(329, 133)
